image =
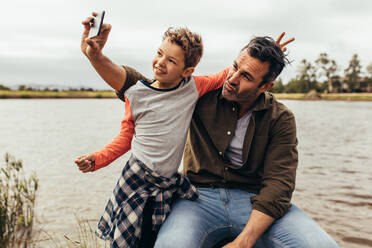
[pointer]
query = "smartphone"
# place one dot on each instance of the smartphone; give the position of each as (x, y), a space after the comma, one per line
(96, 25)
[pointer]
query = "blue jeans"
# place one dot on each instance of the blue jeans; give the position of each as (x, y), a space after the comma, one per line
(222, 213)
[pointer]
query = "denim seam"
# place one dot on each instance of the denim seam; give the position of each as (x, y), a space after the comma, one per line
(227, 216)
(210, 232)
(225, 207)
(276, 241)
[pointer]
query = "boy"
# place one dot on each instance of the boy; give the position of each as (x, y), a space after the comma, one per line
(155, 125)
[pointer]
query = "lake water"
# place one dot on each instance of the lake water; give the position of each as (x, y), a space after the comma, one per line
(333, 180)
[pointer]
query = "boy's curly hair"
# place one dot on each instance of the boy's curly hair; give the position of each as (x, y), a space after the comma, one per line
(191, 44)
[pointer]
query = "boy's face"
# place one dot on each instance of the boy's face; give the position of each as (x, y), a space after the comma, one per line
(169, 64)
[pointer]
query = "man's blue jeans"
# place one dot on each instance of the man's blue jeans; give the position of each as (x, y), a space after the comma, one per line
(222, 213)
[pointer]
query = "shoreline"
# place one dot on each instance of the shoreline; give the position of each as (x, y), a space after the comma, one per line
(325, 96)
(14, 94)
(107, 94)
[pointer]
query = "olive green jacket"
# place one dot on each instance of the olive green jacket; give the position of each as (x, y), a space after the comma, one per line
(269, 151)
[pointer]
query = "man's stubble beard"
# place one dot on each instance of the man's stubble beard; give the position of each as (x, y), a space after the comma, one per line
(239, 98)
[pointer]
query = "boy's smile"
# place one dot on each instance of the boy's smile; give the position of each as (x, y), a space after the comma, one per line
(169, 66)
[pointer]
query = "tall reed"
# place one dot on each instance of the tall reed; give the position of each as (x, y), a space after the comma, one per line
(85, 237)
(17, 202)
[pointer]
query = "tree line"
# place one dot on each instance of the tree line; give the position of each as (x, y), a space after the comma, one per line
(323, 76)
(29, 88)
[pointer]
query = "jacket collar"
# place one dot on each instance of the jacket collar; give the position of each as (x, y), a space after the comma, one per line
(264, 101)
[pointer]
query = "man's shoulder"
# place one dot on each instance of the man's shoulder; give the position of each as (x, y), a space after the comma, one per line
(210, 99)
(274, 112)
(277, 106)
(213, 94)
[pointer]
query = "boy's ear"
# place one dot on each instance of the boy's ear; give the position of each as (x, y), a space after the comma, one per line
(188, 72)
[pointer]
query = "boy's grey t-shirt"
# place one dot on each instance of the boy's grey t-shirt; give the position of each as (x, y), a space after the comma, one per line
(162, 119)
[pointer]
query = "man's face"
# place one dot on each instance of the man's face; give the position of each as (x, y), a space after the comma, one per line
(168, 64)
(244, 78)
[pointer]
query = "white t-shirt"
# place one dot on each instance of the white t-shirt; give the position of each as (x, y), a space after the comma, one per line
(234, 151)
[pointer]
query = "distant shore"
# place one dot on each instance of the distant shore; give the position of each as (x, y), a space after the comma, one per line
(14, 94)
(326, 96)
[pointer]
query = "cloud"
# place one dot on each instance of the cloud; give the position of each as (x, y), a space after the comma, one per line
(42, 41)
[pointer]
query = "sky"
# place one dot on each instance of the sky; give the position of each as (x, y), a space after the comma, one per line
(40, 39)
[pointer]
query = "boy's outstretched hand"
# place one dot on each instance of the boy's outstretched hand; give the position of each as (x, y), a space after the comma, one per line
(92, 47)
(85, 163)
(282, 45)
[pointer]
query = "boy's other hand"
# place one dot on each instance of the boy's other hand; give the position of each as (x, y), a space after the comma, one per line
(285, 43)
(92, 47)
(85, 163)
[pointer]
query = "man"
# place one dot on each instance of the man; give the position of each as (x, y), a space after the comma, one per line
(241, 153)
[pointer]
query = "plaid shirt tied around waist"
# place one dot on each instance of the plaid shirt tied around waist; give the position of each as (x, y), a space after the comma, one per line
(122, 218)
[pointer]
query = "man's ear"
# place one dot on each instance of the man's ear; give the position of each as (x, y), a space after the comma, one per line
(267, 86)
(188, 72)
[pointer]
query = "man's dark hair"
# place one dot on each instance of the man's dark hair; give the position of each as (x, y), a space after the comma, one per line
(265, 49)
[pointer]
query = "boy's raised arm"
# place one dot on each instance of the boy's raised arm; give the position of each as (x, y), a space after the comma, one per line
(112, 73)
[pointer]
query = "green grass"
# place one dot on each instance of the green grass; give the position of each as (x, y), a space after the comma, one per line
(292, 96)
(348, 97)
(17, 201)
(84, 238)
(329, 96)
(6, 94)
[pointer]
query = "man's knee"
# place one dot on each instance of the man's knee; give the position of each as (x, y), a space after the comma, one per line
(185, 239)
(296, 229)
